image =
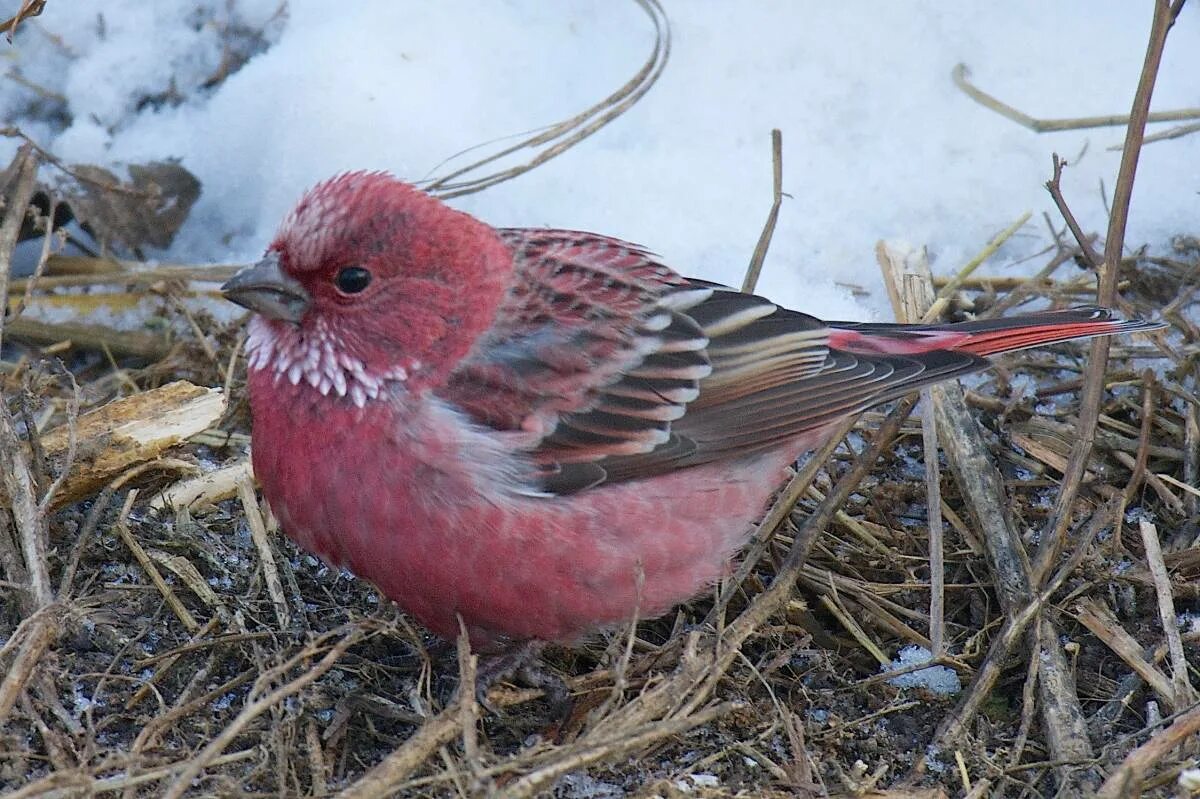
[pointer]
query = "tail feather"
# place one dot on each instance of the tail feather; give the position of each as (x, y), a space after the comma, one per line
(985, 336)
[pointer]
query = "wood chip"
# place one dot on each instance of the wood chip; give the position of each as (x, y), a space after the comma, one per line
(129, 431)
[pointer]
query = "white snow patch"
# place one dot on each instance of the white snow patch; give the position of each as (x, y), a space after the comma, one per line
(693, 781)
(938, 679)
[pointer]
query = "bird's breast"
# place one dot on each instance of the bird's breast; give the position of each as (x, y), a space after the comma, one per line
(430, 509)
(331, 469)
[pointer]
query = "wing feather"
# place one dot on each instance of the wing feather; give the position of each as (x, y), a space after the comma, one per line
(616, 368)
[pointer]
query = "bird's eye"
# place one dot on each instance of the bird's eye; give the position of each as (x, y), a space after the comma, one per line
(352, 279)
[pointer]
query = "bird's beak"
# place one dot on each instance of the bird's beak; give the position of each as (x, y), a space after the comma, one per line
(266, 289)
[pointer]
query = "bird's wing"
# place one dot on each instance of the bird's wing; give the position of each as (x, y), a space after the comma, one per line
(613, 367)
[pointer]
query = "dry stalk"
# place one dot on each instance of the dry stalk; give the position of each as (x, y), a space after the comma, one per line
(1191, 458)
(776, 596)
(468, 707)
(18, 482)
(1054, 534)
(150, 346)
(264, 703)
(68, 458)
(166, 663)
(1061, 711)
(854, 628)
(22, 501)
(1182, 693)
(186, 571)
(69, 271)
(953, 726)
(318, 768)
(935, 309)
(1028, 701)
(796, 487)
(27, 9)
(204, 489)
(631, 740)
(764, 239)
(72, 784)
(917, 303)
(100, 505)
(982, 488)
(148, 736)
(177, 607)
(47, 223)
(961, 75)
(802, 481)
(266, 553)
(384, 778)
(40, 630)
(1127, 779)
(1025, 289)
(1099, 619)
(1177, 132)
(22, 179)
(20, 489)
(561, 137)
(1156, 484)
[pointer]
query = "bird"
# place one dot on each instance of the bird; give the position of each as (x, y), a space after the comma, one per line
(541, 434)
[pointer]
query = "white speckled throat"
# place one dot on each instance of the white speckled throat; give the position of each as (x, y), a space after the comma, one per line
(314, 356)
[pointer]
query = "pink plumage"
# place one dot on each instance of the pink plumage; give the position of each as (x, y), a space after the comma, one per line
(543, 431)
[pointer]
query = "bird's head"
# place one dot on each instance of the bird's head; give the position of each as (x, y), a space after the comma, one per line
(371, 280)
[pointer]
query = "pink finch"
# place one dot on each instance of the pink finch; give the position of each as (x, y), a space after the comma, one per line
(544, 432)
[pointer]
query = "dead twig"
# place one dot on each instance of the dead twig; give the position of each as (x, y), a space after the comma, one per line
(981, 485)
(961, 75)
(266, 554)
(20, 488)
(1183, 694)
(135, 343)
(68, 459)
(21, 494)
(1127, 779)
(1054, 534)
(1017, 620)
(1099, 619)
(177, 607)
(914, 289)
(768, 231)
(261, 704)
(29, 8)
(561, 137)
(632, 740)
(22, 179)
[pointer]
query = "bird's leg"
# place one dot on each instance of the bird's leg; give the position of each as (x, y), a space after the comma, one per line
(503, 664)
(522, 660)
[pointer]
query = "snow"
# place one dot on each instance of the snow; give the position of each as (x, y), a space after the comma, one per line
(878, 142)
(938, 679)
(691, 782)
(1189, 780)
(579, 785)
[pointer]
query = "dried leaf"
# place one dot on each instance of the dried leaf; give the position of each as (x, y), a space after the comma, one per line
(147, 210)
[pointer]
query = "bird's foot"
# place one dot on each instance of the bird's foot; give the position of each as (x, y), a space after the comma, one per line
(522, 663)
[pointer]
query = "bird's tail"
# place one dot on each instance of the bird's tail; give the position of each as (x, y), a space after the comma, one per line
(984, 337)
